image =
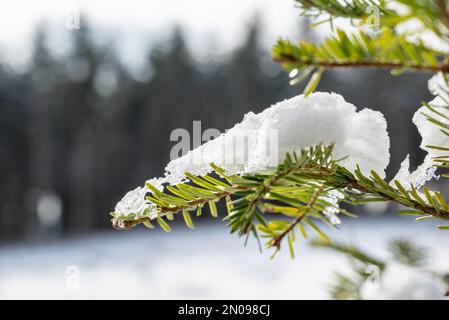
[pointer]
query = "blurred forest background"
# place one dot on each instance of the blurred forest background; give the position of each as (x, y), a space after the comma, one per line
(77, 133)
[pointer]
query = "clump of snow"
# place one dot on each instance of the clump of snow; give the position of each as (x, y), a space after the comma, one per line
(401, 282)
(439, 87)
(262, 140)
(295, 124)
(422, 174)
(133, 202)
(430, 133)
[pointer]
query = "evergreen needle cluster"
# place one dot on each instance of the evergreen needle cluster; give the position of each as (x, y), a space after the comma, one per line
(310, 185)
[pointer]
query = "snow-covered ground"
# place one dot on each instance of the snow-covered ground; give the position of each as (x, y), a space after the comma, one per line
(207, 263)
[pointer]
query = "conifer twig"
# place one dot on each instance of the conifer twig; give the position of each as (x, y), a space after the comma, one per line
(289, 59)
(322, 173)
(278, 239)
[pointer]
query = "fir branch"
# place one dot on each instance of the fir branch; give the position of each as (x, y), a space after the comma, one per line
(351, 251)
(289, 61)
(433, 14)
(385, 50)
(278, 239)
(297, 183)
(403, 252)
(298, 188)
(356, 9)
(394, 195)
(272, 188)
(298, 174)
(345, 287)
(125, 223)
(259, 196)
(408, 253)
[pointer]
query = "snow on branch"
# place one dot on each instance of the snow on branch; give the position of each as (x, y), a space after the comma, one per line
(359, 139)
(326, 152)
(432, 121)
(291, 165)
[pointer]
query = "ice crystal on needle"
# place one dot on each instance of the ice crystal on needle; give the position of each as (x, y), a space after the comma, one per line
(262, 140)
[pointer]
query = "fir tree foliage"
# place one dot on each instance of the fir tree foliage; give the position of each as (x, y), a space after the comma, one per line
(293, 200)
(367, 47)
(342, 50)
(349, 286)
(296, 194)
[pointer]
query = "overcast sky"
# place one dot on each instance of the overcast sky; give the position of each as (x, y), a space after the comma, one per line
(220, 24)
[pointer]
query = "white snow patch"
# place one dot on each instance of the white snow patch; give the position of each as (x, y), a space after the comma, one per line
(438, 86)
(119, 265)
(300, 122)
(422, 174)
(133, 202)
(431, 135)
(401, 282)
(262, 140)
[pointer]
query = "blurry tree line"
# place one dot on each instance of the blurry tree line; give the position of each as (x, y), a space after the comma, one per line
(77, 133)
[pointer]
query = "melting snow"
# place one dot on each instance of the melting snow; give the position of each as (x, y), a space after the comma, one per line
(430, 133)
(262, 140)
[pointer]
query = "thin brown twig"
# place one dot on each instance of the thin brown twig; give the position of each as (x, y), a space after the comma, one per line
(289, 59)
(278, 239)
(261, 193)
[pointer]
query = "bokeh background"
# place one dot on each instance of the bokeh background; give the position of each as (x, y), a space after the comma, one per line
(86, 115)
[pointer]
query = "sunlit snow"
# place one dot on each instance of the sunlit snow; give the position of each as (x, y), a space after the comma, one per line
(360, 138)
